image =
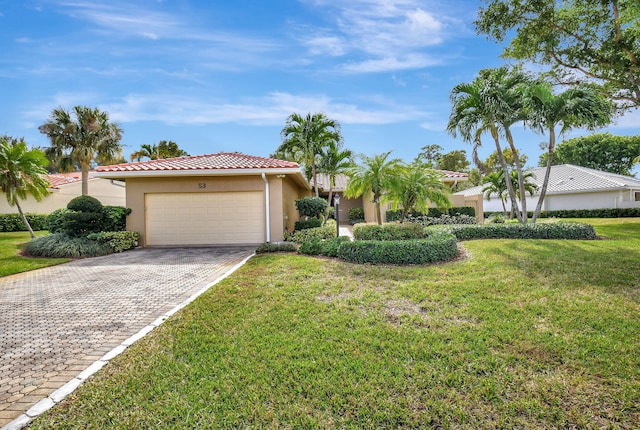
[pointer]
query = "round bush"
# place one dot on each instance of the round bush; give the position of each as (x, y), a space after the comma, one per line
(56, 220)
(85, 204)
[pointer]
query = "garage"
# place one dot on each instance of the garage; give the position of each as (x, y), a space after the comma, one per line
(218, 218)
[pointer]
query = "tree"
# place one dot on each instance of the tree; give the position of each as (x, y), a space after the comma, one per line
(22, 173)
(581, 106)
(580, 39)
(492, 162)
(495, 185)
(333, 162)
(81, 140)
(430, 154)
(164, 149)
(455, 161)
(303, 139)
(413, 187)
(374, 175)
(602, 151)
(491, 103)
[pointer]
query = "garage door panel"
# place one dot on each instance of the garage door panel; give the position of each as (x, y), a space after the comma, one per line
(205, 218)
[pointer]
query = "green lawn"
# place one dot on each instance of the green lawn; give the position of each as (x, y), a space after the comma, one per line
(11, 262)
(520, 334)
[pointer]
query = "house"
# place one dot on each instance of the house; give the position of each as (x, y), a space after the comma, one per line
(65, 186)
(574, 187)
(364, 202)
(216, 199)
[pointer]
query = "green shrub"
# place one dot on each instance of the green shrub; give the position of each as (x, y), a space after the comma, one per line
(432, 213)
(85, 215)
(305, 224)
(276, 247)
(325, 232)
(583, 213)
(388, 231)
(436, 248)
(13, 222)
(355, 215)
(327, 247)
(117, 241)
(56, 220)
(444, 220)
(85, 204)
(311, 206)
(61, 245)
(311, 247)
(558, 230)
(115, 218)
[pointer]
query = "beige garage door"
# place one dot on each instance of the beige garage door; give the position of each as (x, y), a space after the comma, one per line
(205, 218)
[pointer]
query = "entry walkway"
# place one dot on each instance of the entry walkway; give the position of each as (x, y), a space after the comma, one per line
(58, 321)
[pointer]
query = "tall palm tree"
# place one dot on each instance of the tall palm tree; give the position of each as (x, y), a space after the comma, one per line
(374, 175)
(21, 174)
(413, 188)
(581, 106)
(334, 162)
(78, 138)
(304, 137)
(476, 109)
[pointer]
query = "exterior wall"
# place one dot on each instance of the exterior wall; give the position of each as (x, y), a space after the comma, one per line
(345, 205)
(282, 194)
(290, 193)
(473, 201)
(110, 194)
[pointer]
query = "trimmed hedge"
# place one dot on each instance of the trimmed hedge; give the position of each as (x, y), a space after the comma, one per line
(328, 247)
(389, 231)
(325, 232)
(305, 224)
(583, 213)
(117, 241)
(61, 245)
(433, 213)
(444, 220)
(13, 222)
(436, 248)
(556, 230)
(276, 247)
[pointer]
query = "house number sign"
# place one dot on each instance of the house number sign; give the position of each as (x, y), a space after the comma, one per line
(202, 185)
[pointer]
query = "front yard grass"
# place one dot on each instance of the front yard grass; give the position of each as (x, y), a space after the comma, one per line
(521, 334)
(11, 262)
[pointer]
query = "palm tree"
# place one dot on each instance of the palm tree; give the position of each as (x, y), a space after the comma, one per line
(333, 162)
(164, 149)
(477, 108)
(79, 141)
(414, 187)
(22, 173)
(374, 175)
(303, 139)
(495, 185)
(581, 106)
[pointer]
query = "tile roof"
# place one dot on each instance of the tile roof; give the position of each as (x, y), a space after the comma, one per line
(570, 179)
(341, 180)
(56, 180)
(219, 161)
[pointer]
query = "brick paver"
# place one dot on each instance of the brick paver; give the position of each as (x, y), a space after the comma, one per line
(56, 322)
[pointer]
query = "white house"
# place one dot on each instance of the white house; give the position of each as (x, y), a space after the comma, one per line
(574, 187)
(65, 186)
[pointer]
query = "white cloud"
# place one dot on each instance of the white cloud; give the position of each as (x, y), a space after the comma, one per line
(389, 64)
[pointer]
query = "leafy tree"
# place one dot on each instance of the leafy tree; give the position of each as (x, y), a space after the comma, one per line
(455, 161)
(579, 39)
(311, 206)
(581, 106)
(602, 151)
(374, 175)
(430, 154)
(81, 140)
(492, 162)
(303, 139)
(21, 174)
(491, 103)
(164, 149)
(334, 162)
(413, 187)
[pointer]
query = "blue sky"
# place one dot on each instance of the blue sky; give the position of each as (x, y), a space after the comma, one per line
(223, 75)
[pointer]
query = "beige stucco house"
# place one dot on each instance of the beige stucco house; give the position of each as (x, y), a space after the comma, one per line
(215, 199)
(65, 186)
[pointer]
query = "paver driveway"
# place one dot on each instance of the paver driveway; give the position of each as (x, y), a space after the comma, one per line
(57, 321)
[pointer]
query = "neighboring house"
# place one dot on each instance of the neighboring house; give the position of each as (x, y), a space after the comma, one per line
(574, 187)
(216, 199)
(364, 202)
(66, 186)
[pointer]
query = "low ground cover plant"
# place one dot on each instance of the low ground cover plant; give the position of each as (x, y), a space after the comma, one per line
(59, 245)
(117, 241)
(276, 247)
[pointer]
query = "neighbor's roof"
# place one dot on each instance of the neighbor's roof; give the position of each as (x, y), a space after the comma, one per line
(570, 179)
(341, 180)
(56, 180)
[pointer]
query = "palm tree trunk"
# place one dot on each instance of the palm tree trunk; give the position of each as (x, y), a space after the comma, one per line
(523, 194)
(315, 178)
(328, 209)
(547, 174)
(376, 201)
(85, 179)
(505, 169)
(24, 220)
(504, 207)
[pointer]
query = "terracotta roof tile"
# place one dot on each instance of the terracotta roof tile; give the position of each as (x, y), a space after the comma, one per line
(56, 180)
(219, 161)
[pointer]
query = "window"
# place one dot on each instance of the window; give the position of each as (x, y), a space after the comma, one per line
(636, 196)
